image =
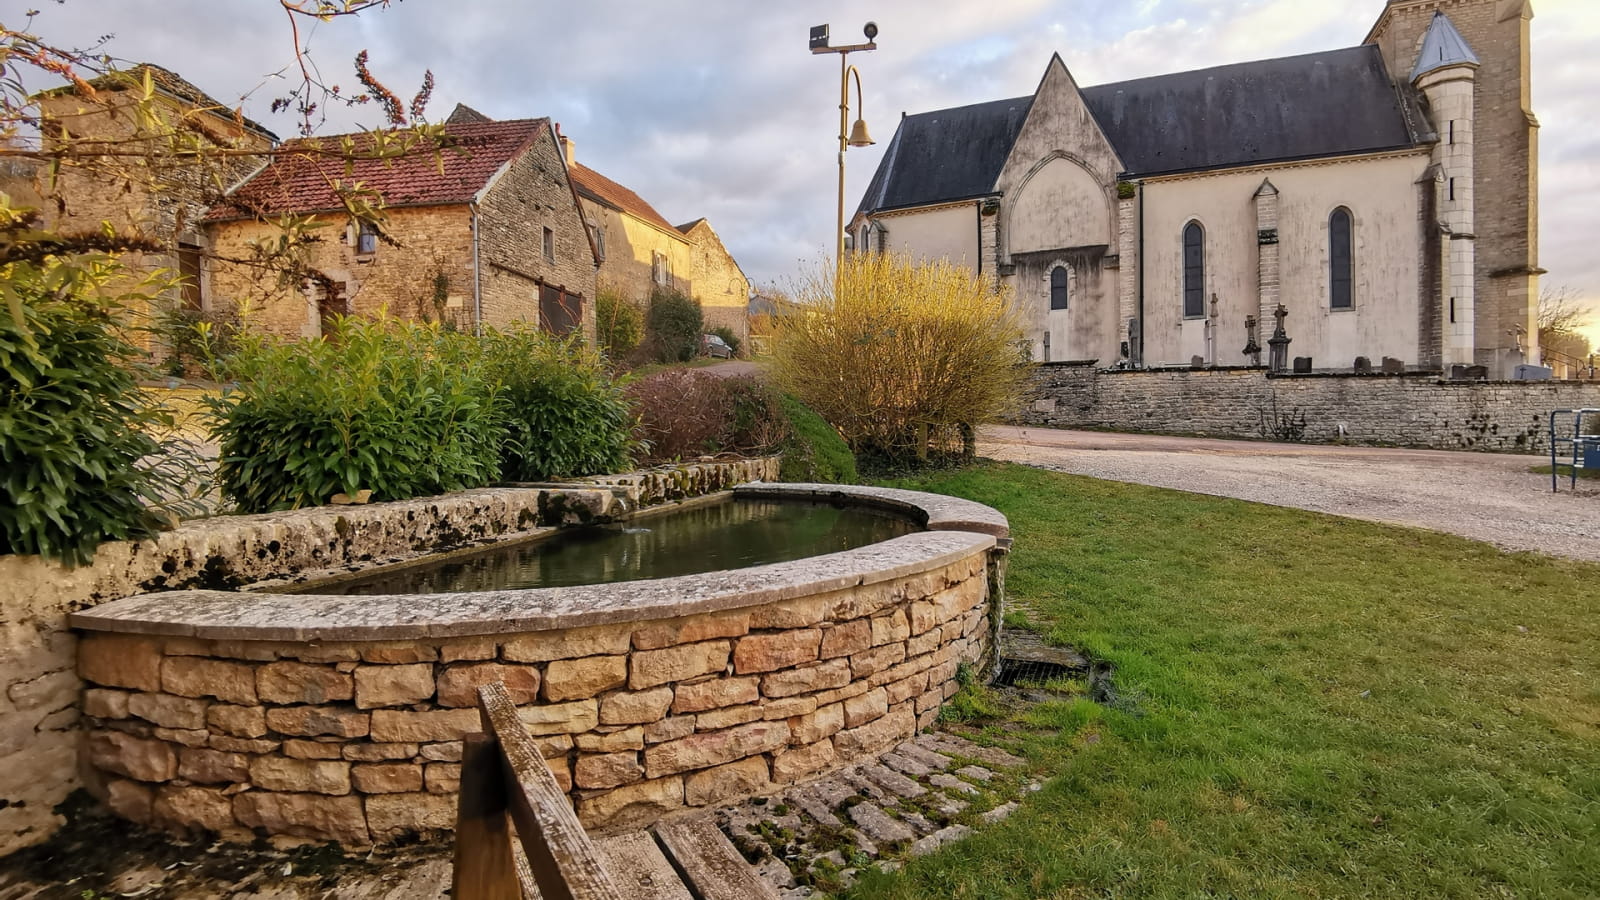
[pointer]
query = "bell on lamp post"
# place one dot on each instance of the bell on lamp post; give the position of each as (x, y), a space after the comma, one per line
(859, 136)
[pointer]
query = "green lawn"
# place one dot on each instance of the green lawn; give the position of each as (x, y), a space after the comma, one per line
(1308, 707)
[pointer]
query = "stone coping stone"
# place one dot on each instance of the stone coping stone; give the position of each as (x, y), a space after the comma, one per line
(233, 615)
(936, 512)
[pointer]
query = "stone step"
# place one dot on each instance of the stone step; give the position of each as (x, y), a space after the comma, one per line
(711, 866)
(879, 825)
(890, 780)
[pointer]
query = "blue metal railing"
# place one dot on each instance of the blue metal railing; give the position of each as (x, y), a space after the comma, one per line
(1585, 446)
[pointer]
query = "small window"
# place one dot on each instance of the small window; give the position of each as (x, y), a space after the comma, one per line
(660, 273)
(1058, 287)
(1194, 271)
(1452, 189)
(1452, 131)
(1339, 260)
(367, 239)
(189, 271)
(600, 241)
(549, 245)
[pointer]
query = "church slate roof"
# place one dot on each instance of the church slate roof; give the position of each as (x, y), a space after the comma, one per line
(1334, 103)
(1442, 47)
(946, 155)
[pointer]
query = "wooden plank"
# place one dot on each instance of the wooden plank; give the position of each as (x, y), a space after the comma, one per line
(641, 872)
(564, 861)
(711, 866)
(483, 860)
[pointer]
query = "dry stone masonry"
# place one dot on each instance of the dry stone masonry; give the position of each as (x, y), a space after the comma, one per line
(40, 689)
(342, 718)
(1391, 410)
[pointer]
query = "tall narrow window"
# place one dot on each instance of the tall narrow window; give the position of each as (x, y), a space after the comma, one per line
(1058, 287)
(367, 239)
(1194, 271)
(189, 269)
(549, 245)
(1339, 263)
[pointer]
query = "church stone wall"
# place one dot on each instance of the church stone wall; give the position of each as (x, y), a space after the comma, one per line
(1381, 196)
(1403, 411)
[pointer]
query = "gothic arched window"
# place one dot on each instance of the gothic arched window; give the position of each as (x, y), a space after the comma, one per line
(1194, 271)
(1340, 234)
(1058, 287)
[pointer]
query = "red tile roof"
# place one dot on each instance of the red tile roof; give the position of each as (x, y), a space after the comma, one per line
(302, 182)
(601, 189)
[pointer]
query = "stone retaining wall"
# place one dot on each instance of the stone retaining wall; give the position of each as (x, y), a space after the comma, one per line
(360, 741)
(39, 689)
(1391, 410)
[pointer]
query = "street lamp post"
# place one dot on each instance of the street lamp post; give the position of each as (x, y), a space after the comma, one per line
(852, 136)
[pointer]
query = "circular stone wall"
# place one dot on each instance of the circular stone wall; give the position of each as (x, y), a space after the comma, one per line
(341, 718)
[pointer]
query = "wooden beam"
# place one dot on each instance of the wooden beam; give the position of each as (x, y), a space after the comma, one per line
(484, 869)
(712, 867)
(563, 859)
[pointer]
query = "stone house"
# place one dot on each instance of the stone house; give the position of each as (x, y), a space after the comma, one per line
(1385, 194)
(487, 232)
(640, 250)
(156, 196)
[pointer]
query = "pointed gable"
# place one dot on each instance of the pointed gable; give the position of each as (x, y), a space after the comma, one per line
(1442, 47)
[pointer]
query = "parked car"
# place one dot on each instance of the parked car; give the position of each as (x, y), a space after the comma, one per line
(711, 345)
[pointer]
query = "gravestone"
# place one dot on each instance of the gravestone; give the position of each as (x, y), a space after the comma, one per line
(1477, 373)
(1392, 366)
(1363, 366)
(1197, 362)
(1302, 365)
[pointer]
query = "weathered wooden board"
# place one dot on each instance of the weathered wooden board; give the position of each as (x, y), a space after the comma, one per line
(712, 866)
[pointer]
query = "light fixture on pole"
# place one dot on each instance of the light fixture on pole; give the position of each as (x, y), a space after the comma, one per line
(849, 135)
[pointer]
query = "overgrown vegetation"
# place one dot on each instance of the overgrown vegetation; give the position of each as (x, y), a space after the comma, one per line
(1308, 706)
(673, 326)
(177, 331)
(73, 449)
(619, 326)
(905, 359)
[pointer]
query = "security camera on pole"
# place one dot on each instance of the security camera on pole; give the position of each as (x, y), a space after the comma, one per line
(853, 136)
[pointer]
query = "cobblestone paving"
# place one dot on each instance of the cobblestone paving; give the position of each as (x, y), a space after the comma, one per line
(927, 792)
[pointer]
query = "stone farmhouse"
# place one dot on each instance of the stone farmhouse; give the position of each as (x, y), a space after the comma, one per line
(1385, 195)
(156, 196)
(640, 250)
(487, 232)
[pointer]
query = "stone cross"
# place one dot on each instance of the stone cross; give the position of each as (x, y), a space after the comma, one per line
(1252, 340)
(1279, 344)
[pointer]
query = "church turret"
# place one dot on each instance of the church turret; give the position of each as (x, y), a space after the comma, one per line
(1439, 53)
(1446, 74)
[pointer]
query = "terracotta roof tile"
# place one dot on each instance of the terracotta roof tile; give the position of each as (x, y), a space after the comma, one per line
(302, 182)
(601, 189)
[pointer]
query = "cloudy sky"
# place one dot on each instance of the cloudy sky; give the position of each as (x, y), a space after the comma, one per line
(715, 108)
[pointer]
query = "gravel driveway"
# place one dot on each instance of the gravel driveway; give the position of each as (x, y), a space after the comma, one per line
(1487, 497)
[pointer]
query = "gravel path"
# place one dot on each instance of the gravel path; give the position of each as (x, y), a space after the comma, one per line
(1487, 497)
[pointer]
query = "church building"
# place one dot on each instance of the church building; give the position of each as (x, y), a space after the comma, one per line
(1384, 195)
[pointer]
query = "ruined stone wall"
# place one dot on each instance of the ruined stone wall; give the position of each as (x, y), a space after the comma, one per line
(1404, 411)
(39, 689)
(361, 741)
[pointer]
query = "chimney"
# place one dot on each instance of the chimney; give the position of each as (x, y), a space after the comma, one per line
(569, 148)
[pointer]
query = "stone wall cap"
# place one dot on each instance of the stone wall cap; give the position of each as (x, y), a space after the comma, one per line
(936, 512)
(234, 615)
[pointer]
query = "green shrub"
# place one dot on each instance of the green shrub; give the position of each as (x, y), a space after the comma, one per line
(727, 335)
(189, 334)
(619, 326)
(673, 326)
(563, 414)
(72, 455)
(814, 452)
(401, 409)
